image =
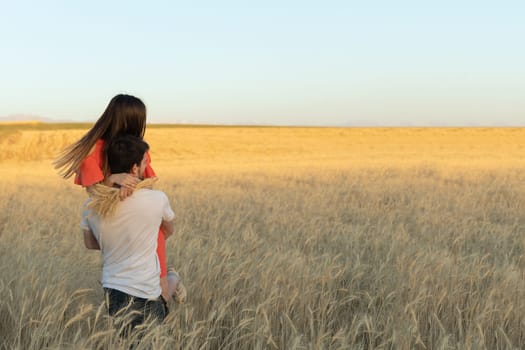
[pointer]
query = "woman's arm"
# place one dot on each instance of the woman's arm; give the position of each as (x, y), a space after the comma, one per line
(122, 179)
(127, 183)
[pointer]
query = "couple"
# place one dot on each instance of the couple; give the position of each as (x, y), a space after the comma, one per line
(123, 230)
(126, 232)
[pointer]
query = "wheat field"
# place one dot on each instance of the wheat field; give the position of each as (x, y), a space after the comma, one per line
(286, 238)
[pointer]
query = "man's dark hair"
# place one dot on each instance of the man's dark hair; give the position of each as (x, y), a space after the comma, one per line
(124, 152)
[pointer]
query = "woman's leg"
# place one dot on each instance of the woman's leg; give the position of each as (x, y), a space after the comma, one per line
(170, 282)
(161, 253)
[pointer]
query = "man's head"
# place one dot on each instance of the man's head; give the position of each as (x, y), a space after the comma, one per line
(127, 154)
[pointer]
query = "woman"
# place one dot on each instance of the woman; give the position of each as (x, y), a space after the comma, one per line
(86, 158)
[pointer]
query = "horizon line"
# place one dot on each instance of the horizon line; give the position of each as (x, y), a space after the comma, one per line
(32, 122)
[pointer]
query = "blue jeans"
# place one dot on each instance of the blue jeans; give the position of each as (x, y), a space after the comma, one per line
(134, 309)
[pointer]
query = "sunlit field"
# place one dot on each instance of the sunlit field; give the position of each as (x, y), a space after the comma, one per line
(286, 238)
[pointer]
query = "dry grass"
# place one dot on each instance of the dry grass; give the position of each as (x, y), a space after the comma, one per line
(290, 238)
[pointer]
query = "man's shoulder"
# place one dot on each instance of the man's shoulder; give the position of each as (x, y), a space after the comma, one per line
(147, 201)
(151, 193)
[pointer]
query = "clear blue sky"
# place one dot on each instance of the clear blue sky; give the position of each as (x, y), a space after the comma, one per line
(273, 62)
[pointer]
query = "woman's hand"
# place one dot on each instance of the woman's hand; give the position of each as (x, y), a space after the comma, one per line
(124, 180)
(127, 183)
(125, 192)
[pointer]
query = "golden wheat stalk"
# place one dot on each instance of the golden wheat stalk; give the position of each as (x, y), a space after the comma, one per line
(104, 199)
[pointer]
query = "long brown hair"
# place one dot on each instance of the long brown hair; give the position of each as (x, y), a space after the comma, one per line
(124, 115)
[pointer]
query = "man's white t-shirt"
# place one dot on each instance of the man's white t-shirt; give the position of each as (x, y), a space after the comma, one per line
(128, 242)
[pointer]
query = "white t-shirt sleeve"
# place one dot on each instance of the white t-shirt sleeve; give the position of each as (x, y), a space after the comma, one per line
(84, 225)
(167, 212)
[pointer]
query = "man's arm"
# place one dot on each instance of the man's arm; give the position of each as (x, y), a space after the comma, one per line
(90, 241)
(167, 228)
(167, 217)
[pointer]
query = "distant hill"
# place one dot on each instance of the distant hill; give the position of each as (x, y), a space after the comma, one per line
(29, 118)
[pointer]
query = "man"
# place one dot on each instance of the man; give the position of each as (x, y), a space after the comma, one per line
(128, 238)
